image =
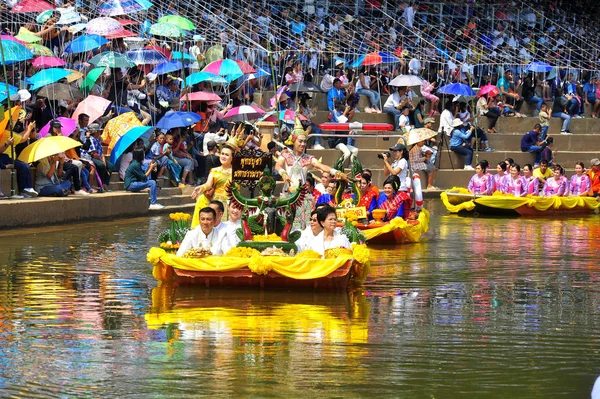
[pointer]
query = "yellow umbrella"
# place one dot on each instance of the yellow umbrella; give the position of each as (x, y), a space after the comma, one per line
(4, 138)
(417, 135)
(15, 117)
(27, 36)
(117, 127)
(46, 147)
(75, 75)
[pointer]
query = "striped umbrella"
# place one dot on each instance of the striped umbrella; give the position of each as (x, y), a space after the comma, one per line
(228, 69)
(243, 113)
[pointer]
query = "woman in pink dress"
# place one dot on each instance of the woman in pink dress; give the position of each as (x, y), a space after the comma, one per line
(500, 177)
(580, 182)
(481, 182)
(426, 89)
(532, 183)
(555, 185)
(515, 184)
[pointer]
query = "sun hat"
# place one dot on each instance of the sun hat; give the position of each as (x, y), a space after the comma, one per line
(457, 122)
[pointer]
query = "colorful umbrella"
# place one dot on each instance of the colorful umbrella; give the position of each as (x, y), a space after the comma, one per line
(176, 55)
(103, 26)
(406, 81)
(110, 8)
(375, 58)
(198, 77)
(245, 67)
(178, 21)
(59, 91)
(273, 100)
(172, 120)
(48, 62)
(538, 66)
(38, 49)
(91, 78)
(85, 43)
(32, 6)
(144, 56)
(25, 35)
(68, 127)
(229, 69)
(305, 87)
(112, 60)
(243, 113)
(169, 66)
(287, 116)
(14, 52)
(68, 16)
(75, 75)
(120, 34)
(93, 106)
(47, 147)
(128, 139)
(44, 16)
(116, 127)
(489, 89)
(46, 77)
(457, 89)
(417, 135)
(166, 30)
(214, 53)
(12, 90)
(13, 39)
(201, 96)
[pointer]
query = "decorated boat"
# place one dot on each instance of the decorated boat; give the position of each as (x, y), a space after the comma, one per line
(397, 230)
(266, 256)
(461, 201)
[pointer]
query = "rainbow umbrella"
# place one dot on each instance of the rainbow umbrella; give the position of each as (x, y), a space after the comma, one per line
(14, 52)
(243, 113)
(32, 6)
(118, 126)
(375, 58)
(200, 96)
(85, 43)
(110, 8)
(177, 20)
(93, 106)
(68, 127)
(47, 76)
(45, 61)
(489, 89)
(47, 147)
(38, 49)
(245, 67)
(103, 26)
(166, 30)
(128, 139)
(198, 77)
(228, 69)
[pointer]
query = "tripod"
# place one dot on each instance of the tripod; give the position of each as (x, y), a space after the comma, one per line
(444, 142)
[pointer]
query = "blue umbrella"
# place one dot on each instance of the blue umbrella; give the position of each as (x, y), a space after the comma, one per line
(111, 8)
(177, 119)
(47, 76)
(143, 56)
(176, 55)
(85, 43)
(12, 90)
(198, 77)
(166, 67)
(14, 52)
(128, 139)
(457, 89)
(538, 66)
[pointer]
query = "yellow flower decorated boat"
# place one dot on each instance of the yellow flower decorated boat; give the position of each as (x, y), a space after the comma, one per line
(397, 230)
(460, 200)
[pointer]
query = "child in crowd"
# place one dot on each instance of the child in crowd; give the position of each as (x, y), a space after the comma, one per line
(160, 156)
(544, 121)
(172, 163)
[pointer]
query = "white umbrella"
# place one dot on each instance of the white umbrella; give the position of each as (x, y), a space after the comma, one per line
(406, 80)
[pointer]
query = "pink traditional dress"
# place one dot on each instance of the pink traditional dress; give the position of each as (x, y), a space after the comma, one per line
(297, 168)
(579, 184)
(499, 183)
(532, 185)
(481, 184)
(516, 187)
(554, 187)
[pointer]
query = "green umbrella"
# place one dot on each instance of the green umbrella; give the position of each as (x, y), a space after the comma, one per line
(112, 60)
(26, 36)
(38, 49)
(166, 30)
(91, 78)
(177, 20)
(214, 53)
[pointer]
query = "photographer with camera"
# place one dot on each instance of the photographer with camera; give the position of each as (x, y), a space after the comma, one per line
(399, 165)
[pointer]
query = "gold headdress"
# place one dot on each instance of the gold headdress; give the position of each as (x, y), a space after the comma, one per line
(297, 132)
(236, 138)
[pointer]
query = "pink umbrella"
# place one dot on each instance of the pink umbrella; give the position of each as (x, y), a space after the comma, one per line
(245, 67)
(103, 26)
(68, 127)
(277, 95)
(201, 96)
(93, 106)
(287, 116)
(243, 113)
(32, 6)
(13, 39)
(488, 89)
(120, 34)
(45, 61)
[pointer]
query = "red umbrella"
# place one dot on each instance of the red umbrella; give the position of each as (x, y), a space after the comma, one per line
(126, 22)
(161, 50)
(32, 6)
(489, 89)
(245, 67)
(119, 34)
(201, 96)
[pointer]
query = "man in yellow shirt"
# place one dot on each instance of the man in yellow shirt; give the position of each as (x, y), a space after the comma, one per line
(542, 173)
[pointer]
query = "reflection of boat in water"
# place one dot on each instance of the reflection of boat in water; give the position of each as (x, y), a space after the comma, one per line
(459, 200)
(396, 231)
(267, 315)
(263, 272)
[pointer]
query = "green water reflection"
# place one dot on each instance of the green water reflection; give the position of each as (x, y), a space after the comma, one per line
(490, 308)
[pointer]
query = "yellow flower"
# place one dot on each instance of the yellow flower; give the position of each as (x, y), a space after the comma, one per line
(260, 265)
(270, 237)
(242, 252)
(309, 254)
(154, 255)
(361, 253)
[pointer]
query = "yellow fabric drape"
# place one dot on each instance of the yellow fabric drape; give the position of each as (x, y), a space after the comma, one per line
(508, 201)
(296, 268)
(412, 232)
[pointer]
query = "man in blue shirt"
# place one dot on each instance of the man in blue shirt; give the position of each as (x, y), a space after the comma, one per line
(459, 142)
(531, 143)
(336, 93)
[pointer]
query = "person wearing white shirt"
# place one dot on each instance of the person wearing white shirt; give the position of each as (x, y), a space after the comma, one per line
(203, 236)
(219, 209)
(409, 15)
(498, 36)
(329, 238)
(446, 119)
(394, 104)
(219, 138)
(310, 232)
(404, 120)
(322, 186)
(228, 232)
(196, 49)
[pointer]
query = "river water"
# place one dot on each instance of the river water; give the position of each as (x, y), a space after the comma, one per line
(492, 308)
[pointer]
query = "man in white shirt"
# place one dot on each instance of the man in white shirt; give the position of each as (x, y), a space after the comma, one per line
(219, 138)
(203, 236)
(446, 119)
(409, 15)
(219, 209)
(229, 237)
(322, 186)
(394, 104)
(404, 120)
(196, 49)
(498, 35)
